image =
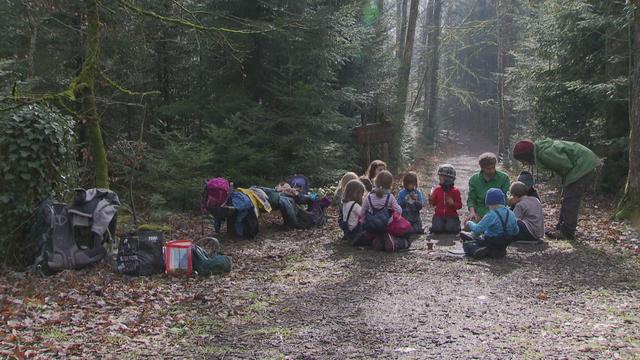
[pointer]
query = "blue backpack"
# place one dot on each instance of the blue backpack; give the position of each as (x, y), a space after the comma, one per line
(376, 220)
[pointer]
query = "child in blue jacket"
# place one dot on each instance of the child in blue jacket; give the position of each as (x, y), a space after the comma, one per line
(411, 201)
(491, 236)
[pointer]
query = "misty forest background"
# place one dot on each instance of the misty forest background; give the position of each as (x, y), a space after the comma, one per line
(150, 98)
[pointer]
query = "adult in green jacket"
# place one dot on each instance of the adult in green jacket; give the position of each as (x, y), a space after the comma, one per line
(479, 183)
(574, 163)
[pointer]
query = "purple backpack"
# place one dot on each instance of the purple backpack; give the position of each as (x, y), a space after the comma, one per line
(216, 193)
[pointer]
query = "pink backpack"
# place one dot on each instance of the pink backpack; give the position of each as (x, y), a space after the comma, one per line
(216, 194)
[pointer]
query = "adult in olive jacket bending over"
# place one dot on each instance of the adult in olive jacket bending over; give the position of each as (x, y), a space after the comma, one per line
(574, 163)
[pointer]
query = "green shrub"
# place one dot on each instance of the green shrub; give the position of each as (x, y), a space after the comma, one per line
(36, 152)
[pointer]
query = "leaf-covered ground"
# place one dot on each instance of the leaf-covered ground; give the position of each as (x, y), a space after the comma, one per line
(306, 295)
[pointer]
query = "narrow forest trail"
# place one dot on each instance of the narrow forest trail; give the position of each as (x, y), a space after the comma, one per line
(303, 294)
(324, 299)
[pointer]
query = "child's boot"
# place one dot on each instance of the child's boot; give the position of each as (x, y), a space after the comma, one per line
(378, 242)
(389, 243)
(466, 236)
(498, 253)
(481, 252)
(361, 239)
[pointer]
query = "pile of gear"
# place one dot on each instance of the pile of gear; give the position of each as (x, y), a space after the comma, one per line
(73, 237)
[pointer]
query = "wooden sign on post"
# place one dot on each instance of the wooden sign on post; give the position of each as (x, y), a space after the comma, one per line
(376, 134)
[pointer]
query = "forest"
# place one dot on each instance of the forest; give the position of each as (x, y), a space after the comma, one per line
(151, 99)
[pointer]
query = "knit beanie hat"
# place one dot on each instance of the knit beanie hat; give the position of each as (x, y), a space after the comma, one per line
(494, 196)
(526, 178)
(523, 150)
(448, 171)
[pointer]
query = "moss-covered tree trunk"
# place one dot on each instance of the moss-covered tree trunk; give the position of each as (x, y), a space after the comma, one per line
(629, 207)
(86, 93)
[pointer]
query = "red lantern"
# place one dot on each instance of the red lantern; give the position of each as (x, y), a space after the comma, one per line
(177, 256)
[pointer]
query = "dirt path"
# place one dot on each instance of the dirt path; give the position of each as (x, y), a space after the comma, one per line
(305, 295)
(324, 299)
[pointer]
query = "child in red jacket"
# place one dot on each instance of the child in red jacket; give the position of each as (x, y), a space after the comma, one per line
(446, 198)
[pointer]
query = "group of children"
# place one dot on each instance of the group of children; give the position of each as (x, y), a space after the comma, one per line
(369, 214)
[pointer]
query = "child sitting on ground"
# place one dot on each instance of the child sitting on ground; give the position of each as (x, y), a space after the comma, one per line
(492, 235)
(337, 196)
(446, 198)
(376, 213)
(349, 220)
(528, 211)
(411, 201)
(526, 178)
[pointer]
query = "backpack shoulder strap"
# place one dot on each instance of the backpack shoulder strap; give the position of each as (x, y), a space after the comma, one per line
(370, 203)
(387, 201)
(349, 213)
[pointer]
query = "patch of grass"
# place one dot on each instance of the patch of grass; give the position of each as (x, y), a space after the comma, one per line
(634, 285)
(634, 341)
(206, 326)
(602, 292)
(249, 317)
(117, 339)
(596, 346)
(624, 316)
(249, 295)
(132, 355)
(294, 258)
(277, 357)
(532, 354)
(215, 350)
(552, 330)
(258, 306)
(56, 334)
(180, 308)
(178, 331)
(273, 331)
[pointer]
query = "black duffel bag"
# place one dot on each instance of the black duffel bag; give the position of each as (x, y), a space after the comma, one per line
(140, 254)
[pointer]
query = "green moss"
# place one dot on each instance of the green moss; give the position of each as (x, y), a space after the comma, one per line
(56, 334)
(154, 227)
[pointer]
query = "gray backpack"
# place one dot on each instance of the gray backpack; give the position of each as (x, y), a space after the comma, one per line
(72, 238)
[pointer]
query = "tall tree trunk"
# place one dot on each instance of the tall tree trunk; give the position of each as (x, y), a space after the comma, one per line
(86, 92)
(403, 29)
(403, 80)
(398, 25)
(32, 47)
(253, 64)
(405, 64)
(629, 206)
(434, 12)
(503, 123)
(424, 60)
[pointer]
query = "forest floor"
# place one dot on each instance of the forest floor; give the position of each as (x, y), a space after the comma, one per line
(304, 294)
